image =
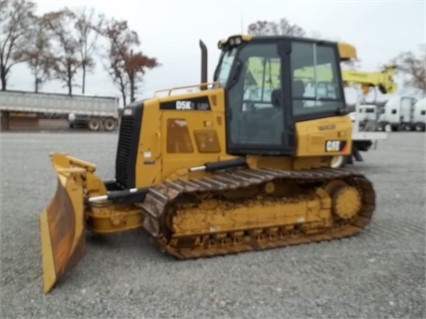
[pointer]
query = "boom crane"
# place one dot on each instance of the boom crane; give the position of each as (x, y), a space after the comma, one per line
(382, 80)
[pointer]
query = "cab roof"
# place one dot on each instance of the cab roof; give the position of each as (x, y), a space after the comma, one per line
(346, 50)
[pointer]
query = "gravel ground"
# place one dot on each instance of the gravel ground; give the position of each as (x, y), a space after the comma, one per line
(377, 274)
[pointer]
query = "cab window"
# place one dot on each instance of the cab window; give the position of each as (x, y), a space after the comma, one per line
(316, 87)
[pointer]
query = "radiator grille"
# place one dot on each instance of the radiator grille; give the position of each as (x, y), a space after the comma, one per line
(128, 141)
(123, 151)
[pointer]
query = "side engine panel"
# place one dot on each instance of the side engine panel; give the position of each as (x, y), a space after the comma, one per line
(324, 137)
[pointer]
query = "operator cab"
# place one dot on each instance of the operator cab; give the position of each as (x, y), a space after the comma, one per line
(273, 82)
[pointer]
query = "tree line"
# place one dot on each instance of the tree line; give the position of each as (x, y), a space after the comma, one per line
(409, 64)
(59, 44)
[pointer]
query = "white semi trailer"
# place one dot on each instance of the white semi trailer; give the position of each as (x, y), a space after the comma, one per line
(398, 114)
(419, 116)
(94, 112)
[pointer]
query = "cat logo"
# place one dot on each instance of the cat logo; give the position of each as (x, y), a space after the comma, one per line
(183, 105)
(334, 146)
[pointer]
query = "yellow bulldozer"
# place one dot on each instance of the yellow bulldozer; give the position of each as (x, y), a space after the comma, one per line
(236, 165)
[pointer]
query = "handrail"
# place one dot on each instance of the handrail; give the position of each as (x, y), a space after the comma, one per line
(186, 87)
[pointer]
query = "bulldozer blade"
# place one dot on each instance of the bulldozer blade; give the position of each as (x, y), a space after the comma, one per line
(62, 227)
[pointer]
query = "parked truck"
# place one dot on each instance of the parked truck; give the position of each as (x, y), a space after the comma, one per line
(398, 114)
(367, 116)
(419, 117)
(93, 112)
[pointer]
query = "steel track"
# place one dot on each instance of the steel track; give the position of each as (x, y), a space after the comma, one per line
(161, 201)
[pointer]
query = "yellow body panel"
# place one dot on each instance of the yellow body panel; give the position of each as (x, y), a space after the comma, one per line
(312, 136)
(149, 148)
(154, 162)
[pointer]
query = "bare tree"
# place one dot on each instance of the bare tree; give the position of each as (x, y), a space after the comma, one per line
(286, 28)
(269, 28)
(120, 39)
(413, 67)
(39, 56)
(116, 71)
(88, 26)
(263, 28)
(16, 19)
(125, 66)
(67, 61)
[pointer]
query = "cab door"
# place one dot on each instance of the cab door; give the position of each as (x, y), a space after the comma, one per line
(258, 119)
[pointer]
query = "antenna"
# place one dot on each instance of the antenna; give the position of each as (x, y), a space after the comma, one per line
(242, 23)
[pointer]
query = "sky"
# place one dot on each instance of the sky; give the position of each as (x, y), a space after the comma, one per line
(170, 31)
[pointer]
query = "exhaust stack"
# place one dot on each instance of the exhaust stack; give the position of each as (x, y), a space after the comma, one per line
(203, 64)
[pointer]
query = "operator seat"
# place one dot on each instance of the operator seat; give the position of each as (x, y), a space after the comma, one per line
(274, 117)
(298, 92)
(276, 97)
